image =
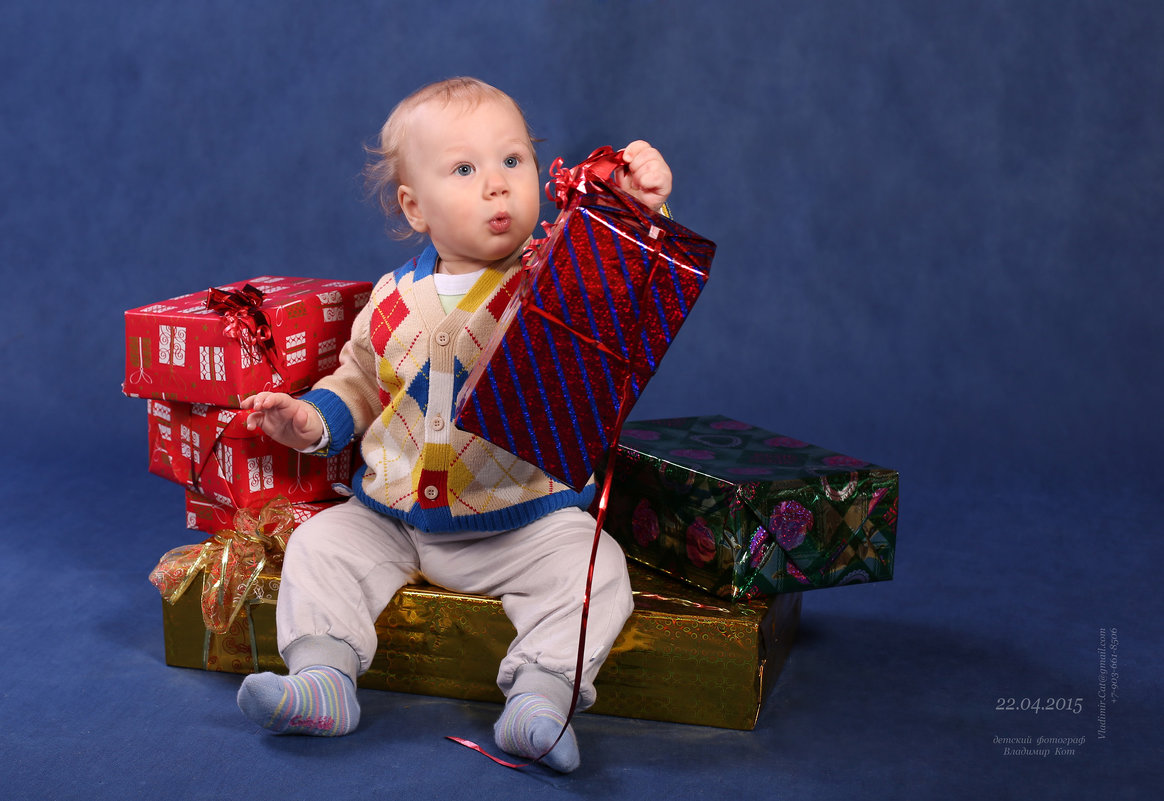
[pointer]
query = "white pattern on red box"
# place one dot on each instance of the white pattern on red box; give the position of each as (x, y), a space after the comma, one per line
(295, 348)
(211, 363)
(332, 305)
(172, 345)
(225, 461)
(261, 473)
(191, 442)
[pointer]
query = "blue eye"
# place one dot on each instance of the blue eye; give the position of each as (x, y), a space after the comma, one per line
(464, 169)
(512, 161)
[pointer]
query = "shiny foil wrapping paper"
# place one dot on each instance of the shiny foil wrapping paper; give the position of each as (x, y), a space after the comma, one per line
(189, 643)
(682, 657)
(182, 349)
(228, 568)
(601, 300)
(742, 512)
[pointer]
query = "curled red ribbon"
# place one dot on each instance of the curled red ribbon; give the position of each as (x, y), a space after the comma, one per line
(564, 183)
(244, 320)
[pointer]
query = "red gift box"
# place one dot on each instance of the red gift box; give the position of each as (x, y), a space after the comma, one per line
(600, 302)
(209, 450)
(212, 516)
(221, 345)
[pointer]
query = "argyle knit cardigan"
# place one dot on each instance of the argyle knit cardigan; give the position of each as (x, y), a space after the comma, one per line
(396, 383)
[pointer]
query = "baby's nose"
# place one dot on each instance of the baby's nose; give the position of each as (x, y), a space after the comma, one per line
(496, 183)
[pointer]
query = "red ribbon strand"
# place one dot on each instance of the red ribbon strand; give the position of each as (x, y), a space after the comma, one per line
(566, 184)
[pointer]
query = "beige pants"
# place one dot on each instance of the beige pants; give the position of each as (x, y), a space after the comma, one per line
(344, 565)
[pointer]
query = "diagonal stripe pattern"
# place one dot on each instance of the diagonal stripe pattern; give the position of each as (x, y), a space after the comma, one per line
(600, 306)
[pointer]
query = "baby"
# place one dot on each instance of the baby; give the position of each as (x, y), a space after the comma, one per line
(456, 161)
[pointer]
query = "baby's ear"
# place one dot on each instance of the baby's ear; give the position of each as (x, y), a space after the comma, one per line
(410, 207)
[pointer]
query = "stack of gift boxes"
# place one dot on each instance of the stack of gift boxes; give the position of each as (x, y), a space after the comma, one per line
(725, 524)
(195, 358)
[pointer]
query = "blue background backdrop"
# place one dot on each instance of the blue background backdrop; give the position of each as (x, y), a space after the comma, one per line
(939, 237)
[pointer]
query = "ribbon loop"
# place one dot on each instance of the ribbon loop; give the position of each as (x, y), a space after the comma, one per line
(245, 321)
(230, 562)
(564, 183)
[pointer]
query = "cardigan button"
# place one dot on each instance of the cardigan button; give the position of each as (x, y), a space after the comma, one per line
(443, 338)
(431, 492)
(438, 423)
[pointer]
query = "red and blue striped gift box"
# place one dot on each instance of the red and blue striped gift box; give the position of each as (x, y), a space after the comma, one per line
(601, 301)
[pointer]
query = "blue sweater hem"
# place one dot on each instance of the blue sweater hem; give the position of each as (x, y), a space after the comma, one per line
(440, 519)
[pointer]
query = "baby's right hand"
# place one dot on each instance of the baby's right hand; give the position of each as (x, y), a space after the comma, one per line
(289, 421)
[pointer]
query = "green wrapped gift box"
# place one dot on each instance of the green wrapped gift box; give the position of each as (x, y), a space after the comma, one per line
(741, 512)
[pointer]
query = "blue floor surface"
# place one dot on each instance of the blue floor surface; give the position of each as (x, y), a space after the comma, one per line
(939, 242)
(893, 690)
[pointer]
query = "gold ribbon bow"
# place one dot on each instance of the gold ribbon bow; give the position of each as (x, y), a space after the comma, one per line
(230, 562)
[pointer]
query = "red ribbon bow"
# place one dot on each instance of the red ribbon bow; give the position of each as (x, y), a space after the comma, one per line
(244, 320)
(600, 165)
(565, 183)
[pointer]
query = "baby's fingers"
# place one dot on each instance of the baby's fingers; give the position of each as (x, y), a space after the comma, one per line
(258, 401)
(632, 151)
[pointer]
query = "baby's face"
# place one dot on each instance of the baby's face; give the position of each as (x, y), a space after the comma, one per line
(470, 181)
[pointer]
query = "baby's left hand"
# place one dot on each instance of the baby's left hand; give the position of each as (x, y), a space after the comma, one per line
(646, 176)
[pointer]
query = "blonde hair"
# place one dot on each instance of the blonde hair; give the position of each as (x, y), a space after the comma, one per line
(383, 170)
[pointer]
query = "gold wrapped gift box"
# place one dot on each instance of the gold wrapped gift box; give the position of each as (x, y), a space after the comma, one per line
(684, 656)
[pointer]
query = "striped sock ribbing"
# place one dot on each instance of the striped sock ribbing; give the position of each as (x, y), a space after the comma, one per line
(318, 701)
(529, 725)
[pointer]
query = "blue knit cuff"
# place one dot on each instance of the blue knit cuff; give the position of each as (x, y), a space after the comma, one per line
(337, 419)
